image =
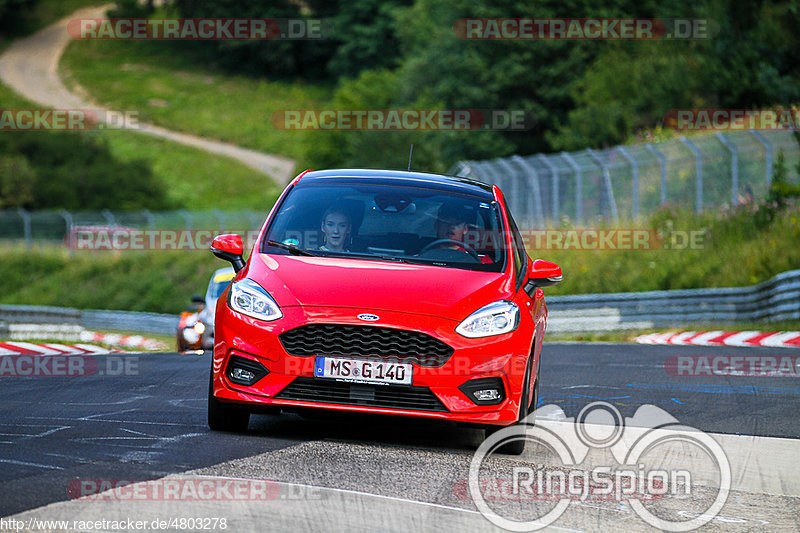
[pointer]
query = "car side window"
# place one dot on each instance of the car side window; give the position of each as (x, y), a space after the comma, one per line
(520, 255)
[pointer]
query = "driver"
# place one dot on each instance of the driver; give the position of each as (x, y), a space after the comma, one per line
(453, 221)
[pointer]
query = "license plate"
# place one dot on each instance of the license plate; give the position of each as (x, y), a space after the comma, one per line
(358, 371)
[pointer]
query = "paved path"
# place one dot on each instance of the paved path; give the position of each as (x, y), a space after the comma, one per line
(30, 67)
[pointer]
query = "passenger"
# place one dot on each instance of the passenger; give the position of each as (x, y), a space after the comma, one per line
(336, 228)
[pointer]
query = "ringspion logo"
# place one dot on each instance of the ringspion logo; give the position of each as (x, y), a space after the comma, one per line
(638, 470)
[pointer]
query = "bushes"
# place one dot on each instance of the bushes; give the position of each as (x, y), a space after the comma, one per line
(40, 170)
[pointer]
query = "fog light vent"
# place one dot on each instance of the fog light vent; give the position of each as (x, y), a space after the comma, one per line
(484, 391)
(245, 371)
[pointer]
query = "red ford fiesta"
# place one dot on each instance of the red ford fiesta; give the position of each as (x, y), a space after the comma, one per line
(382, 291)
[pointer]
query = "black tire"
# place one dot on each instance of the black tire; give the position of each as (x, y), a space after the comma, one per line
(517, 446)
(225, 417)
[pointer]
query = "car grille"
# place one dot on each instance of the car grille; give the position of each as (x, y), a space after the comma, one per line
(389, 344)
(388, 396)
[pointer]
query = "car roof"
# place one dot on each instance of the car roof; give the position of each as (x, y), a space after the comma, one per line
(400, 177)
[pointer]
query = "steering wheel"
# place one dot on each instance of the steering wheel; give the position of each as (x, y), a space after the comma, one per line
(463, 245)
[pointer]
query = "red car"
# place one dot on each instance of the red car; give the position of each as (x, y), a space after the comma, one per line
(381, 291)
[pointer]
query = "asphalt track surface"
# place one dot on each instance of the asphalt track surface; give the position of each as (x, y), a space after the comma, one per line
(151, 423)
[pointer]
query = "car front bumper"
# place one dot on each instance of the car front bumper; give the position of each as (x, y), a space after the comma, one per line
(434, 392)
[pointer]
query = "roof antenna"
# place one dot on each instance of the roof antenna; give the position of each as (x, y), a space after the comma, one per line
(409, 156)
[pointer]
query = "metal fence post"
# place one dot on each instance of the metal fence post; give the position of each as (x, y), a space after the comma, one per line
(612, 204)
(554, 192)
(186, 216)
(26, 227)
(734, 167)
(456, 171)
(663, 162)
(151, 221)
(255, 220)
(635, 172)
(109, 216)
(69, 240)
(698, 171)
(768, 150)
(500, 180)
(221, 218)
(534, 196)
(578, 185)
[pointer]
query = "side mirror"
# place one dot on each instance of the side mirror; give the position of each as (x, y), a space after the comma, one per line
(229, 247)
(198, 299)
(541, 273)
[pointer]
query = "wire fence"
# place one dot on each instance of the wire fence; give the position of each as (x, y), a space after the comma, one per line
(56, 226)
(626, 182)
(619, 183)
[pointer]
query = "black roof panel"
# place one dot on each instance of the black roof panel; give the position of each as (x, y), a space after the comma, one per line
(402, 177)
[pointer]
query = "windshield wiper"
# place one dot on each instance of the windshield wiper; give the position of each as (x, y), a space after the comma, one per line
(369, 256)
(292, 249)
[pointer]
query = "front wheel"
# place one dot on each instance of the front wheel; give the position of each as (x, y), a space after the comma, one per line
(527, 405)
(222, 416)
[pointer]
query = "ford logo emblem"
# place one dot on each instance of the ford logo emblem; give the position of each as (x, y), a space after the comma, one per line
(368, 317)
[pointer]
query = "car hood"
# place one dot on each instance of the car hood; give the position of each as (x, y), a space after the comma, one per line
(377, 285)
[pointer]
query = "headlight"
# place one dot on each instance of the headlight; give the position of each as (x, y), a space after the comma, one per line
(251, 299)
(493, 319)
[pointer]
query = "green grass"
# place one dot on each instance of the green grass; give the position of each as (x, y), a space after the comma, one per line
(134, 281)
(736, 252)
(165, 82)
(195, 179)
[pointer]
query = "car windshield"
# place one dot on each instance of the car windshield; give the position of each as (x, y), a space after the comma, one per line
(373, 221)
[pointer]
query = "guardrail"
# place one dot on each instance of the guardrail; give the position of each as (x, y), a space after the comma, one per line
(93, 319)
(770, 301)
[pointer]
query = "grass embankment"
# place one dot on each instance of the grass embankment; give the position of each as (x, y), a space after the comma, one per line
(738, 252)
(194, 178)
(133, 281)
(165, 82)
(735, 249)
